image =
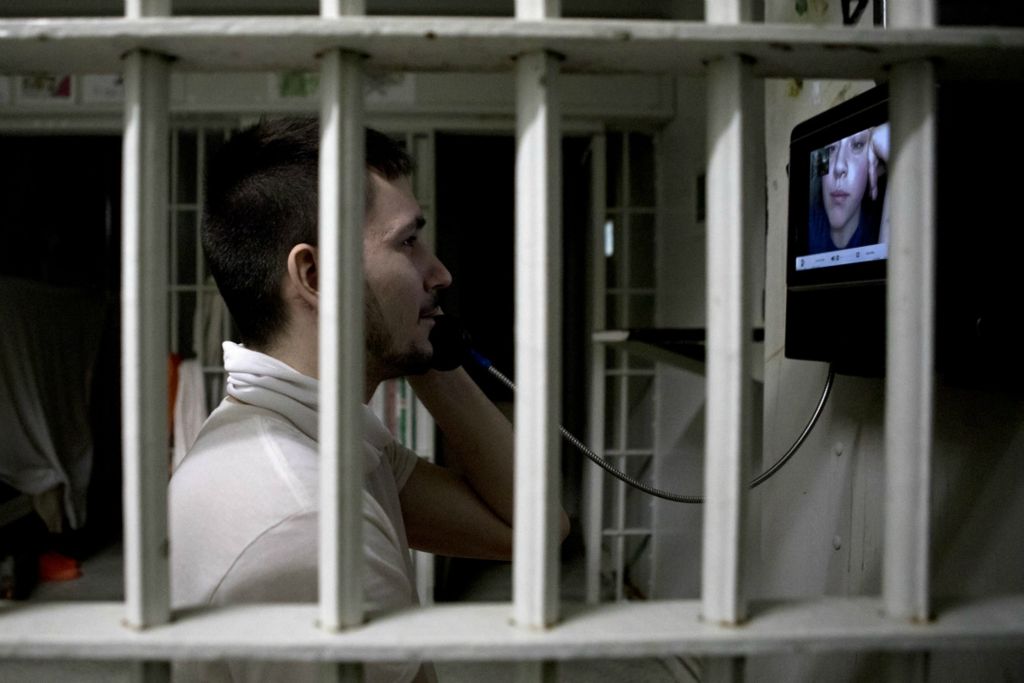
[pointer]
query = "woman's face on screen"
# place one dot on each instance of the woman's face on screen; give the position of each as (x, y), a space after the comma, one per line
(842, 189)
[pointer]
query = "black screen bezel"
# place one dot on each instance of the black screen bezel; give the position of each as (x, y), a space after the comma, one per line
(868, 109)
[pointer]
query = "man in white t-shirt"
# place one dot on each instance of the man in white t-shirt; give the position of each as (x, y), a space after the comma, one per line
(244, 501)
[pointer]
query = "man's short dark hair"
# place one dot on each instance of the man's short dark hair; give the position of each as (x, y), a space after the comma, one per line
(261, 200)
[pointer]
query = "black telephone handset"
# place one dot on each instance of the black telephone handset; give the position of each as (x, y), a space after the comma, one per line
(450, 342)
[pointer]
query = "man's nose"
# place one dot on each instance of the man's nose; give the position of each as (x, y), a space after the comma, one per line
(840, 167)
(439, 277)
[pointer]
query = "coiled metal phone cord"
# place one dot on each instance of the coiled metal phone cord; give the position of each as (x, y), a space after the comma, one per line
(678, 498)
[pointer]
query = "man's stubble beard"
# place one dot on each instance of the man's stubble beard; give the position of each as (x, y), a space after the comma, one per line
(380, 345)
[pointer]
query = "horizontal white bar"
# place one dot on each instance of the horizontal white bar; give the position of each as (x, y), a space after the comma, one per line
(480, 44)
(89, 630)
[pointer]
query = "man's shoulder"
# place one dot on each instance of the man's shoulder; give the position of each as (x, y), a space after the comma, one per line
(236, 431)
(249, 451)
(248, 473)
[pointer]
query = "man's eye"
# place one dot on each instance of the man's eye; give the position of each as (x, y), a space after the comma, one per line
(409, 241)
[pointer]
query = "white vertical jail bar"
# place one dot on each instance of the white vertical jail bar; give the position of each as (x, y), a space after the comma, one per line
(593, 517)
(342, 171)
(421, 145)
(138, 9)
(144, 345)
(341, 362)
(538, 319)
(910, 320)
(538, 9)
(910, 14)
(728, 11)
(728, 420)
(331, 9)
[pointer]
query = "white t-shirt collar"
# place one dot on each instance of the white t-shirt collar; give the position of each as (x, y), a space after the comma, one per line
(264, 381)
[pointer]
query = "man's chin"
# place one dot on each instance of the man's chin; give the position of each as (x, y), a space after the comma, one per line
(412, 363)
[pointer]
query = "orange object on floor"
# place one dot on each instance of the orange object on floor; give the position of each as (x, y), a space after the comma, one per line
(57, 567)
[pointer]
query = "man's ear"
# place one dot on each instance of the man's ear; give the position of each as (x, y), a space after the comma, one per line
(302, 273)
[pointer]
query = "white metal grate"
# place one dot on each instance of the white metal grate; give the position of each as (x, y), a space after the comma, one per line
(142, 629)
(625, 287)
(199, 320)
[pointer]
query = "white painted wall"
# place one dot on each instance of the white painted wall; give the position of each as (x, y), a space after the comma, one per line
(679, 402)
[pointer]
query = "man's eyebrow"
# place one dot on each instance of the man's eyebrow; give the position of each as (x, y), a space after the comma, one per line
(414, 225)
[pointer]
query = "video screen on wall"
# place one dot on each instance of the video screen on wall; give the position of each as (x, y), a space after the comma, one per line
(848, 205)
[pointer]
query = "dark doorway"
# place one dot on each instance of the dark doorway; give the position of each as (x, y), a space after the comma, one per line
(60, 202)
(475, 239)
